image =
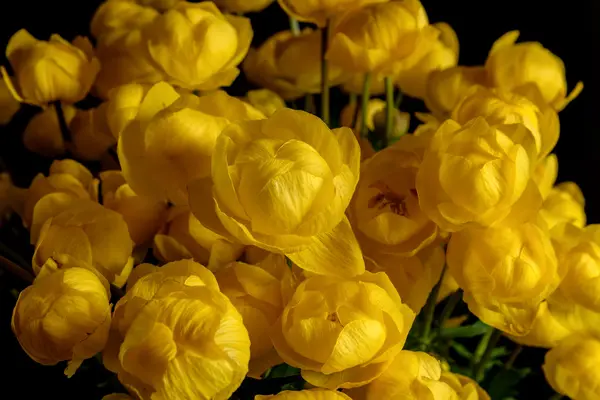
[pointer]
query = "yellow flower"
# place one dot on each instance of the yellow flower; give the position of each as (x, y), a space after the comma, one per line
(376, 114)
(265, 101)
(184, 237)
(306, 174)
(571, 367)
(123, 105)
(381, 38)
(64, 315)
(117, 18)
(91, 234)
(384, 211)
(289, 65)
(443, 54)
(478, 175)
(91, 134)
(47, 71)
(312, 394)
(259, 292)
(411, 376)
(465, 387)
(523, 66)
(174, 335)
(172, 139)
(343, 333)
(578, 251)
(67, 177)
(161, 5)
(448, 286)
(446, 88)
(42, 134)
(243, 6)
(545, 174)
(319, 11)
(564, 204)
(8, 104)
(505, 273)
(196, 46)
(142, 215)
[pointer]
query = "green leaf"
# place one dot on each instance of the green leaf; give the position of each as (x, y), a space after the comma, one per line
(500, 352)
(477, 329)
(461, 350)
(282, 371)
(504, 383)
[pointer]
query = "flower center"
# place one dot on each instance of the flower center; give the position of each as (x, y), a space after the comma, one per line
(388, 198)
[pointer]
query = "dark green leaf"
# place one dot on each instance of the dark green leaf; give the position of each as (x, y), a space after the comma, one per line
(282, 371)
(500, 352)
(505, 382)
(477, 329)
(461, 350)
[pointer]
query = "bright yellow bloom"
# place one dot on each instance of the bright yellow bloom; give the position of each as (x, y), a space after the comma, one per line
(289, 65)
(564, 204)
(174, 335)
(545, 174)
(525, 66)
(243, 6)
(91, 134)
(265, 101)
(376, 114)
(64, 315)
(196, 46)
(42, 134)
(259, 292)
(500, 107)
(381, 38)
(8, 104)
(446, 88)
(312, 394)
(443, 54)
(306, 174)
(343, 333)
(172, 139)
(47, 71)
(91, 234)
(123, 105)
(184, 237)
(571, 368)
(465, 387)
(384, 211)
(319, 11)
(478, 175)
(118, 18)
(505, 273)
(449, 286)
(142, 215)
(161, 5)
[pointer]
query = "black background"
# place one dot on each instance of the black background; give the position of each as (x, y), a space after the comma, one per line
(570, 29)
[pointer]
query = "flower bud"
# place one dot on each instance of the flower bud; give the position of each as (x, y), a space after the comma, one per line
(464, 387)
(265, 101)
(91, 136)
(43, 135)
(564, 204)
(446, 88)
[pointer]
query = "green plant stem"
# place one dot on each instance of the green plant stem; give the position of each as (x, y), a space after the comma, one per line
(364, 101)
(309, 103)
(479, 370)
(16, 270)
(449, 307)
(324, 75)
(481, 346)
(399, 99)
(294, 26)
(389, 110)
(513, 356)
(429, 309)
(62, 122)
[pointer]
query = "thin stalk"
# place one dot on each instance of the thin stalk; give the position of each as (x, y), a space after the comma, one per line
(479, 371)
(62, 122)
(365, 104)
(399, 99)
(16, 270)
(355, 113)
(389, 110)
(429, 309)
(513, 356)
(294, 26)
(324, 75)
(309, 103)
(485, 339)
(20, 261)
(450, 306)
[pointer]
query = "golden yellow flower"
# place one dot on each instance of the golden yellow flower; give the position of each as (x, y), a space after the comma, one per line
(443, 54)
(319, 11)
(196, 46)
(289, 65)
(91, 136)
(571, 367)
(306, 174)
(545, 173)
(123, 105)
(42, 134)
(564, 204)
(161, 5)
(259, 292)
(171, 141)
(90, 233)
(184, 237)
(465, 387)
(448, 286)
(384, 211)
(478, 175)
(64, 315)
(381, 38)
(243, 6)
(446, 88)
(376, 114)
(505, 273)
(174, 335)
(142, 215)
(525, 66)
(47, 71)
(312, 394)
(343, 333)
(8, 104)
(118, 18)
(265, 101)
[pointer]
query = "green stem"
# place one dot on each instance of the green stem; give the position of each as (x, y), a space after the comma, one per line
(389, 110)
(429, 309)
(513, 356)
(365, 104)
(294, 26)
(16, 270)
(399, 99)
(479, 370)
(62, 122)
(352, 99)
(309, 103)
(485, 339)
(450, 306)
(324, 76)
(556, 396)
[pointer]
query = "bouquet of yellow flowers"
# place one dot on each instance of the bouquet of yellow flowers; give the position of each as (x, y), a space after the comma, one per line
(204, 246)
